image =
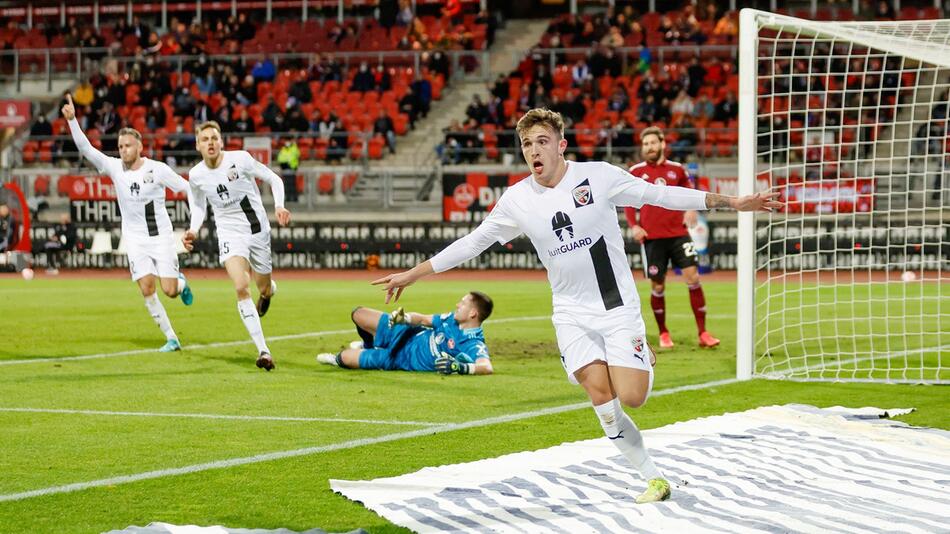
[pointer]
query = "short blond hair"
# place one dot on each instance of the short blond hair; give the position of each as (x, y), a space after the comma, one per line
(208, 124)
(651, 130)
(131, 131)
(542, 116)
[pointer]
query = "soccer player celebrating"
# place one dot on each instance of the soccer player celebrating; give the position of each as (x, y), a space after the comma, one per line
(140, 189)
(665, 237)
(449, 343)
(568, 210)
(226, 179)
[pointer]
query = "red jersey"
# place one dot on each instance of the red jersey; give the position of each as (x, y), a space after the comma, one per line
(660, 222)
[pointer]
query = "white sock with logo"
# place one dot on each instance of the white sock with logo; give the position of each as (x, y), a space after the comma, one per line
(625, 435)
(252, 322)
(157, 311)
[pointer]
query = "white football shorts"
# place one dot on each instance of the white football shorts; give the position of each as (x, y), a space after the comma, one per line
(255, 248)
(618, 339)
(157, 256)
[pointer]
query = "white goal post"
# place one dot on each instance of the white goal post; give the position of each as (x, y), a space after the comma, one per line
(849, 121)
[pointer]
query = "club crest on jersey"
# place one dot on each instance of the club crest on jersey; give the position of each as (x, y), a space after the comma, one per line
(135, 188)
(451, 343)
(671, 175)
(582, 194)
(561, 224)
(149, 177)
(222, 191)
(233, 173)
(660, 181)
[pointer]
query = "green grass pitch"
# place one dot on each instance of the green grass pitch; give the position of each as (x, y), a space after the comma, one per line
(50, 318)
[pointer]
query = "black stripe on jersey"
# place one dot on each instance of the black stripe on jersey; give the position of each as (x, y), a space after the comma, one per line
(150, 219)
(606, 281)
(251, 215)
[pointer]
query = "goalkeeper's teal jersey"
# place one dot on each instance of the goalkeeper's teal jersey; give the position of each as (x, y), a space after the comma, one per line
(465, 345)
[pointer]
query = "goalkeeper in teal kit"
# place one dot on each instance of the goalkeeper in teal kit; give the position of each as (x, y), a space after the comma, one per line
(450, 343)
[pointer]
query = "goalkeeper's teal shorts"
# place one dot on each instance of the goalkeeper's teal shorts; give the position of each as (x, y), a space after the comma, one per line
(398, 348)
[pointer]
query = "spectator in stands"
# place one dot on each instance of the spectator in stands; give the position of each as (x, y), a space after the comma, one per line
(695, 74)
(8, 229)
(264, 70)
(884, 11)
(496, 110)
(618, 100)
(339, 139)
(686, 138)
(296, 122)
(663, 111)
(646, 111)
(278, 122)
(450, 150)
(727, 26)
(155, 116)
(84, 94)
(223, 118)
(381, 79)
(243, 124)
(244, 29)
(580, 74)
(203, 112)
(289, 160)
(270, 111)
(623, 139)
(108, 125)
(728, 109)
(61, 241)
(327, 126)
(183, 103)
(383, 125)
(409, 104)
(405, 15)
(453, 12)
(439, 63)
(423, 89)
(363, 81)
(703, 109)
(300, 92)
(477, 110)
(682, 105)
(613, 39)
(207, 84)
(42, 127)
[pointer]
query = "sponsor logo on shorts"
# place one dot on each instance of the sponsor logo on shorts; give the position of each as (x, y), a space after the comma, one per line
(638, 344)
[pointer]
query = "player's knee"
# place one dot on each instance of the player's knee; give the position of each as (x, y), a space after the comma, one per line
(242, 293)
(658, 287)
(633, 399)
(147, 290)
(354, 312)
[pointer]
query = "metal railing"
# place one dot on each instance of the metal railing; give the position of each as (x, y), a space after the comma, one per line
(629, 55)
(49, 64)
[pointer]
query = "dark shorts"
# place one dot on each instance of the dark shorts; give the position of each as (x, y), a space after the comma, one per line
(660, 252)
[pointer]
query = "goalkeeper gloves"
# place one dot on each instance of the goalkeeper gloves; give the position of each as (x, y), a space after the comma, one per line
(398, 316)
(447, 365)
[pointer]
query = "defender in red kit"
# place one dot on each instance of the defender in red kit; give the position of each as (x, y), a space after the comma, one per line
(665, 238)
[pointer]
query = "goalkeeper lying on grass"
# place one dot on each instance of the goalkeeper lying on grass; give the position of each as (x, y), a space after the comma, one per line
(449, 343)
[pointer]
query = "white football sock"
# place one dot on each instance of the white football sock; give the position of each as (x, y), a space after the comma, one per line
(625, 435)
(157, 311)
(252, 322)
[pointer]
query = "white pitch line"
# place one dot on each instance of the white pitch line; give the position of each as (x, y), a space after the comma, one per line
(222, 464)
(225, 344)
(219, 416)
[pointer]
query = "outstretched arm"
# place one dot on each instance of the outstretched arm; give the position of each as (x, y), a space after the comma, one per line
(88, 151)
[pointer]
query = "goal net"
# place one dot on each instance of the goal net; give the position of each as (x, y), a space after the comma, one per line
(848, 121)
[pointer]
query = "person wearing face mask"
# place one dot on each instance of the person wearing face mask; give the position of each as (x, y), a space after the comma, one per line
(569, 212)
(140, 189)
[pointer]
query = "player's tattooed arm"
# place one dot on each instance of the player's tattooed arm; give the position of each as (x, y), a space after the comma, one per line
(756, 202)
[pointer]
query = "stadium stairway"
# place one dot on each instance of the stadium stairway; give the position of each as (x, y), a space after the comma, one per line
(417, 148)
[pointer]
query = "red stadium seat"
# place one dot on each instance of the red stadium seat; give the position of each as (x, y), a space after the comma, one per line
(325, 183)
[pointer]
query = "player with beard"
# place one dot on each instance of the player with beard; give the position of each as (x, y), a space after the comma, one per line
(665, 237)
(568, 210)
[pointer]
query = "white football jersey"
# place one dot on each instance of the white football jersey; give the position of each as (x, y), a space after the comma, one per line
(140, 192)
(575, 230)
(233, 193)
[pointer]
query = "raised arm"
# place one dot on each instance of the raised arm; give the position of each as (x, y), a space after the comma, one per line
(276, 186)
(461, 250)
(88, 151)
